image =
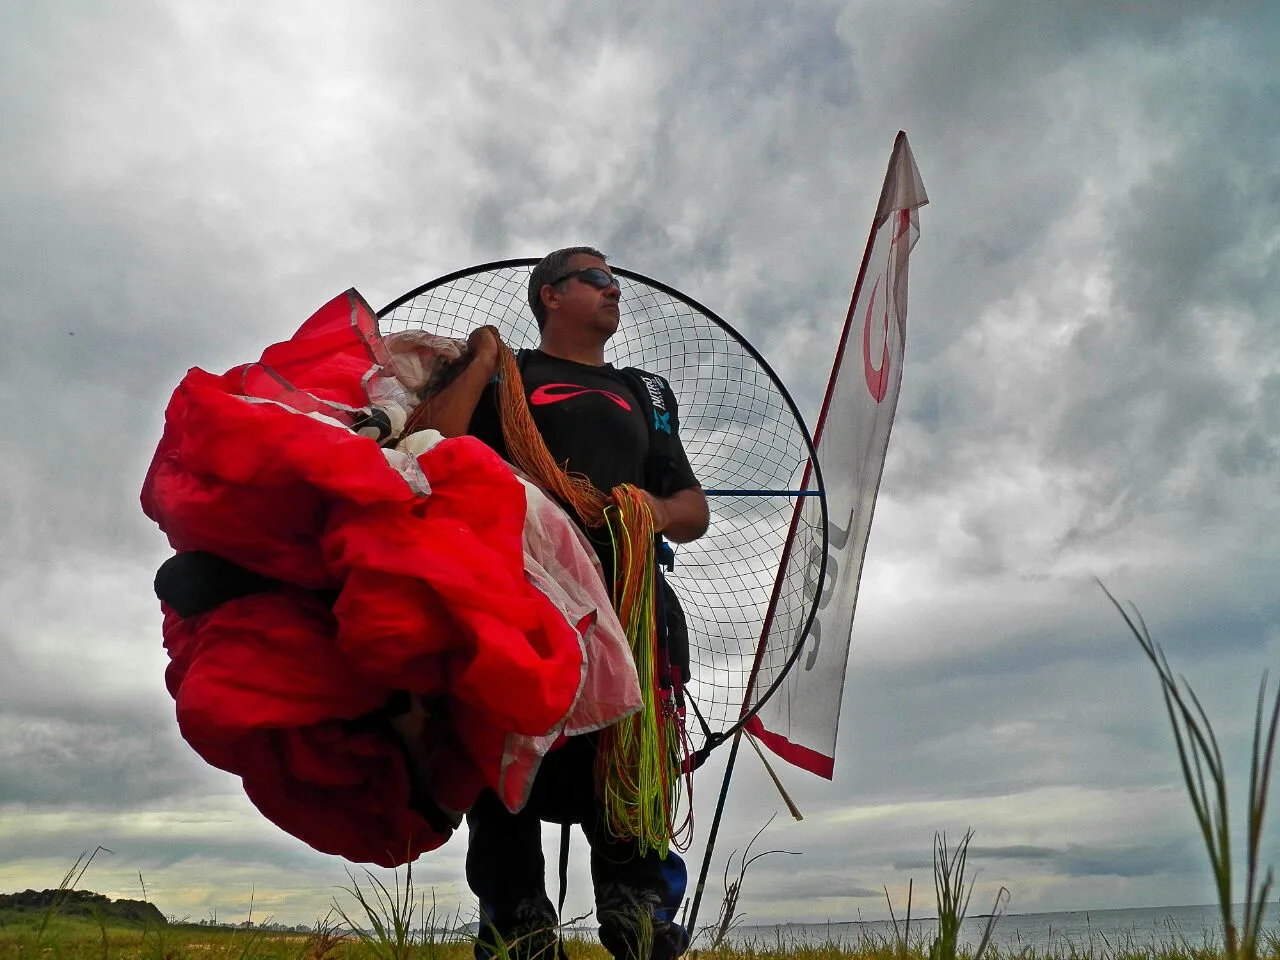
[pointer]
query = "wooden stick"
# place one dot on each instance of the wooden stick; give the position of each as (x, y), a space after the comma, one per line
(795, 811)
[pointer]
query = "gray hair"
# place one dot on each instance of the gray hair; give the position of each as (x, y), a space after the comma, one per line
(551, 267)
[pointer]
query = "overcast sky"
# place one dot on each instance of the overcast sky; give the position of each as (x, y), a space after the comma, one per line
(1091, 388)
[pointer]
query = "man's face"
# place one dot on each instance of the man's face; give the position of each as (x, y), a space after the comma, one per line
(584, 305)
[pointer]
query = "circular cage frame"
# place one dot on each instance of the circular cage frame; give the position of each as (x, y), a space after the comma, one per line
(813, 471)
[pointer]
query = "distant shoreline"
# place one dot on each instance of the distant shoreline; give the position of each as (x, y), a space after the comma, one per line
(1004, 916)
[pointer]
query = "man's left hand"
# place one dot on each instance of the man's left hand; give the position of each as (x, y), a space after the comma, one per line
(658, 508)
(682, 517)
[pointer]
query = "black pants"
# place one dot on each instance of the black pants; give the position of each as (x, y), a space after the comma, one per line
(636, 896)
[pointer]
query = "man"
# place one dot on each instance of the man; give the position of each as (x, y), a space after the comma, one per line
(593, 422)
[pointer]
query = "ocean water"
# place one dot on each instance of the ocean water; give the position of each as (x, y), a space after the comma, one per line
(1102, 931)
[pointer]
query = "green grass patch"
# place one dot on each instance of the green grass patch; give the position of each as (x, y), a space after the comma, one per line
(78, 939)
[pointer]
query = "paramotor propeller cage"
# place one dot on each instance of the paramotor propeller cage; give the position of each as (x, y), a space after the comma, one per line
(748, 446)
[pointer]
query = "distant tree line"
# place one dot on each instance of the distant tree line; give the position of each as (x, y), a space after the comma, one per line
(82, 903)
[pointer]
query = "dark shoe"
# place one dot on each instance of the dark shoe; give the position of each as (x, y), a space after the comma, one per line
(632, 929)
(529, 932)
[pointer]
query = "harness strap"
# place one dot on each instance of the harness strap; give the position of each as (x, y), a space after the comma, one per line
(658, 402)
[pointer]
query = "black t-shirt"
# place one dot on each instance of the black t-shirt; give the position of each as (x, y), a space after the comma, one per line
(594, 424)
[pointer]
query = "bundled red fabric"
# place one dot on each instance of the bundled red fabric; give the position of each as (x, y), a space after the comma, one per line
(259, 467)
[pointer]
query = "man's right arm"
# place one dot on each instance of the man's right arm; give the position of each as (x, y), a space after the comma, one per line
(449, 411)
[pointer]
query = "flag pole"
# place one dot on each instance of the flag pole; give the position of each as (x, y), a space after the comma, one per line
(876, 222)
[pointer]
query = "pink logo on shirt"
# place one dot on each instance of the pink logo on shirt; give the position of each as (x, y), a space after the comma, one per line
(550, 393)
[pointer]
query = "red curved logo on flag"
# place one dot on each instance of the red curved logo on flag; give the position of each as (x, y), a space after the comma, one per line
(550, 393)
(877, 378)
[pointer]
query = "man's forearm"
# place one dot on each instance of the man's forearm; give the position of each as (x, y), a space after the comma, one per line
(449, 411)
(682, 517)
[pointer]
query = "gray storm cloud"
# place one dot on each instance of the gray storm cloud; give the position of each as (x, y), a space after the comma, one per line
(1092, 384)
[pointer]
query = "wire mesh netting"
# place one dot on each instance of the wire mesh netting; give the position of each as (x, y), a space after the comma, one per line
(748, 448)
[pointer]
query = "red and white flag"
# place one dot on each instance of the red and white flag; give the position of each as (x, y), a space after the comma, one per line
(799, 721)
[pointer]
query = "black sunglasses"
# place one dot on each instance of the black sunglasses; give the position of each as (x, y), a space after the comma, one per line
(597, 277)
